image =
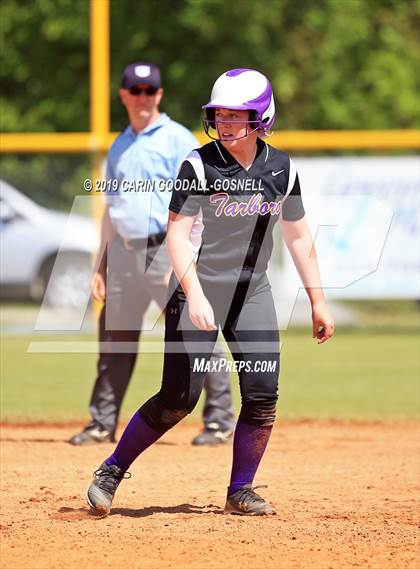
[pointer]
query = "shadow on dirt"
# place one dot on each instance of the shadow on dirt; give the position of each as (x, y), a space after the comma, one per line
(77, 514)
(181, 509)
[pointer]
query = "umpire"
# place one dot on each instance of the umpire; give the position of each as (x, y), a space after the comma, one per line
(133, 268)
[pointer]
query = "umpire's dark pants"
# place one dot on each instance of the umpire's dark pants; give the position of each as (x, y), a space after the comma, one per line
(130, 289)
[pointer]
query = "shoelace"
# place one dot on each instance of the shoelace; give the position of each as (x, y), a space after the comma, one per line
(108, 479)
(249, 494)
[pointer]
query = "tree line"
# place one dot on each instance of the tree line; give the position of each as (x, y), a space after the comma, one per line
(334, 64)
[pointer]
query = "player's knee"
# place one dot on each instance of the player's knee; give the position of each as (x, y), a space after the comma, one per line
(162, 418)
(170, 417)
(261, 413)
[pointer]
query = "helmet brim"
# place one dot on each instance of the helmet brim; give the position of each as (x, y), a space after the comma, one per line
(230, 107)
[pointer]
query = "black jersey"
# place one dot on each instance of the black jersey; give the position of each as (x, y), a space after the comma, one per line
(239, 206)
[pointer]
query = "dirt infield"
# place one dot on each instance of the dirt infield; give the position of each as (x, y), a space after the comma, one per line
(346, 496)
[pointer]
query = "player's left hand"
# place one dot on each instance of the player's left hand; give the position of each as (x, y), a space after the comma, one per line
(200, 312)
(323, 322)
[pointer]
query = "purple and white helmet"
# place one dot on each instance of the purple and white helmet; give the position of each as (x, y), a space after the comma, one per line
(242, 90)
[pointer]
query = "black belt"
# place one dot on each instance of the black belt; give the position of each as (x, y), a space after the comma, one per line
(145, 242)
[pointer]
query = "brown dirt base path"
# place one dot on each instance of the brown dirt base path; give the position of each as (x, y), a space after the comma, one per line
(346, 496)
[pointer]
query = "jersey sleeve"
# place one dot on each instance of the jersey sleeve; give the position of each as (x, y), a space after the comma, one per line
(186, 201)
(186, 145)
(293, 209)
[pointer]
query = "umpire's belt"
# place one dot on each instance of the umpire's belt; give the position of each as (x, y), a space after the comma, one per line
(143, 243)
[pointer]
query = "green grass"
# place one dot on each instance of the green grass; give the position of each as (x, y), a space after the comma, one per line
(359, 374)
(380, 314)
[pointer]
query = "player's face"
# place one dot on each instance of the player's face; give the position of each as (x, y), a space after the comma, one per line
(233, 127)
(141, 101)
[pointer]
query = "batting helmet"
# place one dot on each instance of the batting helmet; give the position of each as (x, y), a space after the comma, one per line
(242, 90)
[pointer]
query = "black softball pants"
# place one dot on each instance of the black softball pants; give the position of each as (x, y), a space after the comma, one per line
(250, 328)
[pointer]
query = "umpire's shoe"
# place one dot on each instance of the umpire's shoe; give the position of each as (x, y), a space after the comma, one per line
(212, 437)
(103, 487)
(92, 434)
(246, 502)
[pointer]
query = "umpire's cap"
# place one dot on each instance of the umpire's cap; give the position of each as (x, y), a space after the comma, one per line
(141, 72)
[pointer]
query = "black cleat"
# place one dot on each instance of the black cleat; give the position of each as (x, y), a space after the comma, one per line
(246, 502)
(92, 434)
(212, 437)
(103, 487)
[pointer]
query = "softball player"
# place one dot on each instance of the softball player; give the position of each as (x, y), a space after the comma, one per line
(242, 187)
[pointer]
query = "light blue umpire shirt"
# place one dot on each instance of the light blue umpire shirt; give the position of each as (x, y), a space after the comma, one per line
(153, 154)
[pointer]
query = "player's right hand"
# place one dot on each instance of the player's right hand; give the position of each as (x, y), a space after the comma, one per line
(99, 287)
(201, 313)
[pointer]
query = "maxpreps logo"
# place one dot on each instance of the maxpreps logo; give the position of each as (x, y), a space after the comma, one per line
(255, 206)
(203, 365)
